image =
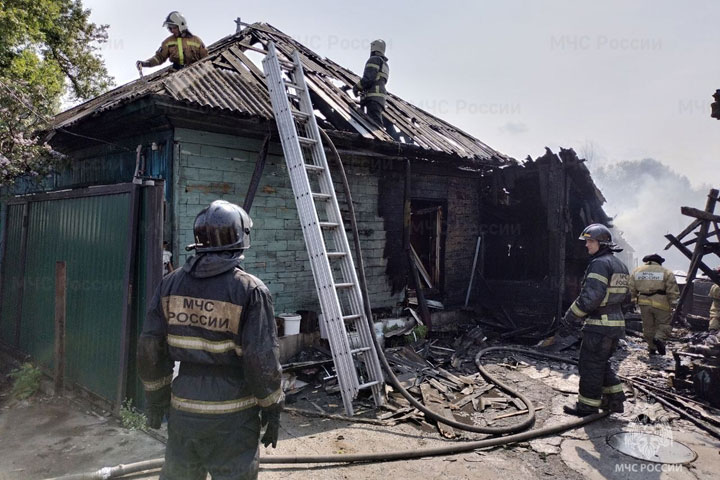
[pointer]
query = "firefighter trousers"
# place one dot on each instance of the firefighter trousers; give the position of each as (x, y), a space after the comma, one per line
(228, 449)
(656, 324)
(597, 378)
(375, 111)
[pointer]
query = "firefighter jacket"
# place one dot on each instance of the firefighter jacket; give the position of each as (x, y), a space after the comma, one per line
(604, 291)
(715, 307)
(375, 77)
(218, 322)
(181, 51)
(653, 285)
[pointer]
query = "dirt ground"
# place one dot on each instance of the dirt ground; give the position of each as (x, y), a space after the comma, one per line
(47, 437)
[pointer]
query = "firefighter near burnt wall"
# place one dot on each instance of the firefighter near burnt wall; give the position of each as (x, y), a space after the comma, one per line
(182, 48)
(371, 87)
(599, 308)
(656, 292)
(216, 320)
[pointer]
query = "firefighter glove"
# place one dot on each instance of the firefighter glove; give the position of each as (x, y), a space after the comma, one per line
(568, 322)
(270, 418)
(155, 415)
(140, 64)
(356, 90)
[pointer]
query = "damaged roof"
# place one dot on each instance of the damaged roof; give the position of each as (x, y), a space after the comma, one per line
(230, 80)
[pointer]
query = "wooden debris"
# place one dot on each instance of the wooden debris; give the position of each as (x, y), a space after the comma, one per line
(513, 414)
(470, 398)
(433, 402)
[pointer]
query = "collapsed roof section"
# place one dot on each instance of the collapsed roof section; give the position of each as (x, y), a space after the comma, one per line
(230, 79)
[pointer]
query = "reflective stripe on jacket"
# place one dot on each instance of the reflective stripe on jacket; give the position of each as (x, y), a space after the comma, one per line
(653, 285)
(181, 51)
(604, 291)
(218, 322)
(374, 79)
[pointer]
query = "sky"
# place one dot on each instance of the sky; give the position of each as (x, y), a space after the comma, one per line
(615, 80)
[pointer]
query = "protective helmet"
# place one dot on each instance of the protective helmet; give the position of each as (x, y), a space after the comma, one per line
(653, 258)
(599, 232)
(221, 227)
(377, 46)
(176, 18)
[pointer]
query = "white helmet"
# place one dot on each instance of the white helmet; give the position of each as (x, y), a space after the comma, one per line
(176, 19)
(378, 46)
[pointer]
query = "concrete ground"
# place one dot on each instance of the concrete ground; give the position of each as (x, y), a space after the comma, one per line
(47, 437)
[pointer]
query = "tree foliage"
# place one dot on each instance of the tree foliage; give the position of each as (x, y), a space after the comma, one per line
(49, 52)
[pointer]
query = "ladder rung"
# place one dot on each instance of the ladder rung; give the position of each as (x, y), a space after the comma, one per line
(368, 384)
(322, 196)
(294, 86)
(328, 225)
(307, 142)
(314, 168)
(351, 317)
(344, 285)
(300, 116)
(359, 350)
(336, 254)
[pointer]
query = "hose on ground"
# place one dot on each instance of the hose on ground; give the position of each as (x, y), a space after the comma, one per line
(529, 419)
(460, 447)
(114, 472)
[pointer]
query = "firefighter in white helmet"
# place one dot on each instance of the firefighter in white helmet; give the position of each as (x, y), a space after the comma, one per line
(182, 47)
(599, 307)
(371, 87)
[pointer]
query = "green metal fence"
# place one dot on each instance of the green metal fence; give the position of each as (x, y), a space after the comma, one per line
(97, 232)
(12, 275)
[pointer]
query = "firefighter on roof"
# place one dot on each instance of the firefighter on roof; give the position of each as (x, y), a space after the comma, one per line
(371, 87)
(182, 47)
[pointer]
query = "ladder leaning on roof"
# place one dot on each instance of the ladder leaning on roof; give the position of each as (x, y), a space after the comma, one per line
(344, 318)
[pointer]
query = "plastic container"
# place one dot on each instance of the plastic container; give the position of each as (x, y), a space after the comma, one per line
(292, 323)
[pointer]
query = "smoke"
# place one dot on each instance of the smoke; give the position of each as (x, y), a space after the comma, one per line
(644, 197)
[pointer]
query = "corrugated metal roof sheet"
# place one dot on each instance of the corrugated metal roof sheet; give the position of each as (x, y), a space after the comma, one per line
(228, 80)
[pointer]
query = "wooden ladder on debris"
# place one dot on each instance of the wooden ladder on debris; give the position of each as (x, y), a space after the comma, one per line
(338, 289)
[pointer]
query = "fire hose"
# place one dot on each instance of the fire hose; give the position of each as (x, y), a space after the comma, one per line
(465, 446)
(460, 447)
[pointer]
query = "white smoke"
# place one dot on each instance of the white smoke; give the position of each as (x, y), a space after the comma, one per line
(644, 197)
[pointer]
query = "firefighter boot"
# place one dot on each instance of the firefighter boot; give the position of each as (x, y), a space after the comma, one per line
(580, 410)
(660, 346)
(613, 403)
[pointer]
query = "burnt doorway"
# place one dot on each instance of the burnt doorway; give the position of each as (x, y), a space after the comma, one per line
(427, 238)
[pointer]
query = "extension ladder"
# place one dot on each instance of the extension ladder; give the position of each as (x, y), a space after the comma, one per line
(345, 321)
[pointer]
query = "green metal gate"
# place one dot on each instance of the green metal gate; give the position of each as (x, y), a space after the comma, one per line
(95, 231)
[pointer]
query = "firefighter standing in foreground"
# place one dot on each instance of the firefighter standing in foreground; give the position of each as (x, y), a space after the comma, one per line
(371, 87)
(218, 322)
(182, 47)
(655, 290)
(604, 291)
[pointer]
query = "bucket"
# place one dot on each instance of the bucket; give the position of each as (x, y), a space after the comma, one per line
(292, 323)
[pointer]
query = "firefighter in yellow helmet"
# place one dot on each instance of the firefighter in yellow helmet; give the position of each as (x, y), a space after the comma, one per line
(371, 87)
(599, 307)
(656, 292)
(182, 47)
